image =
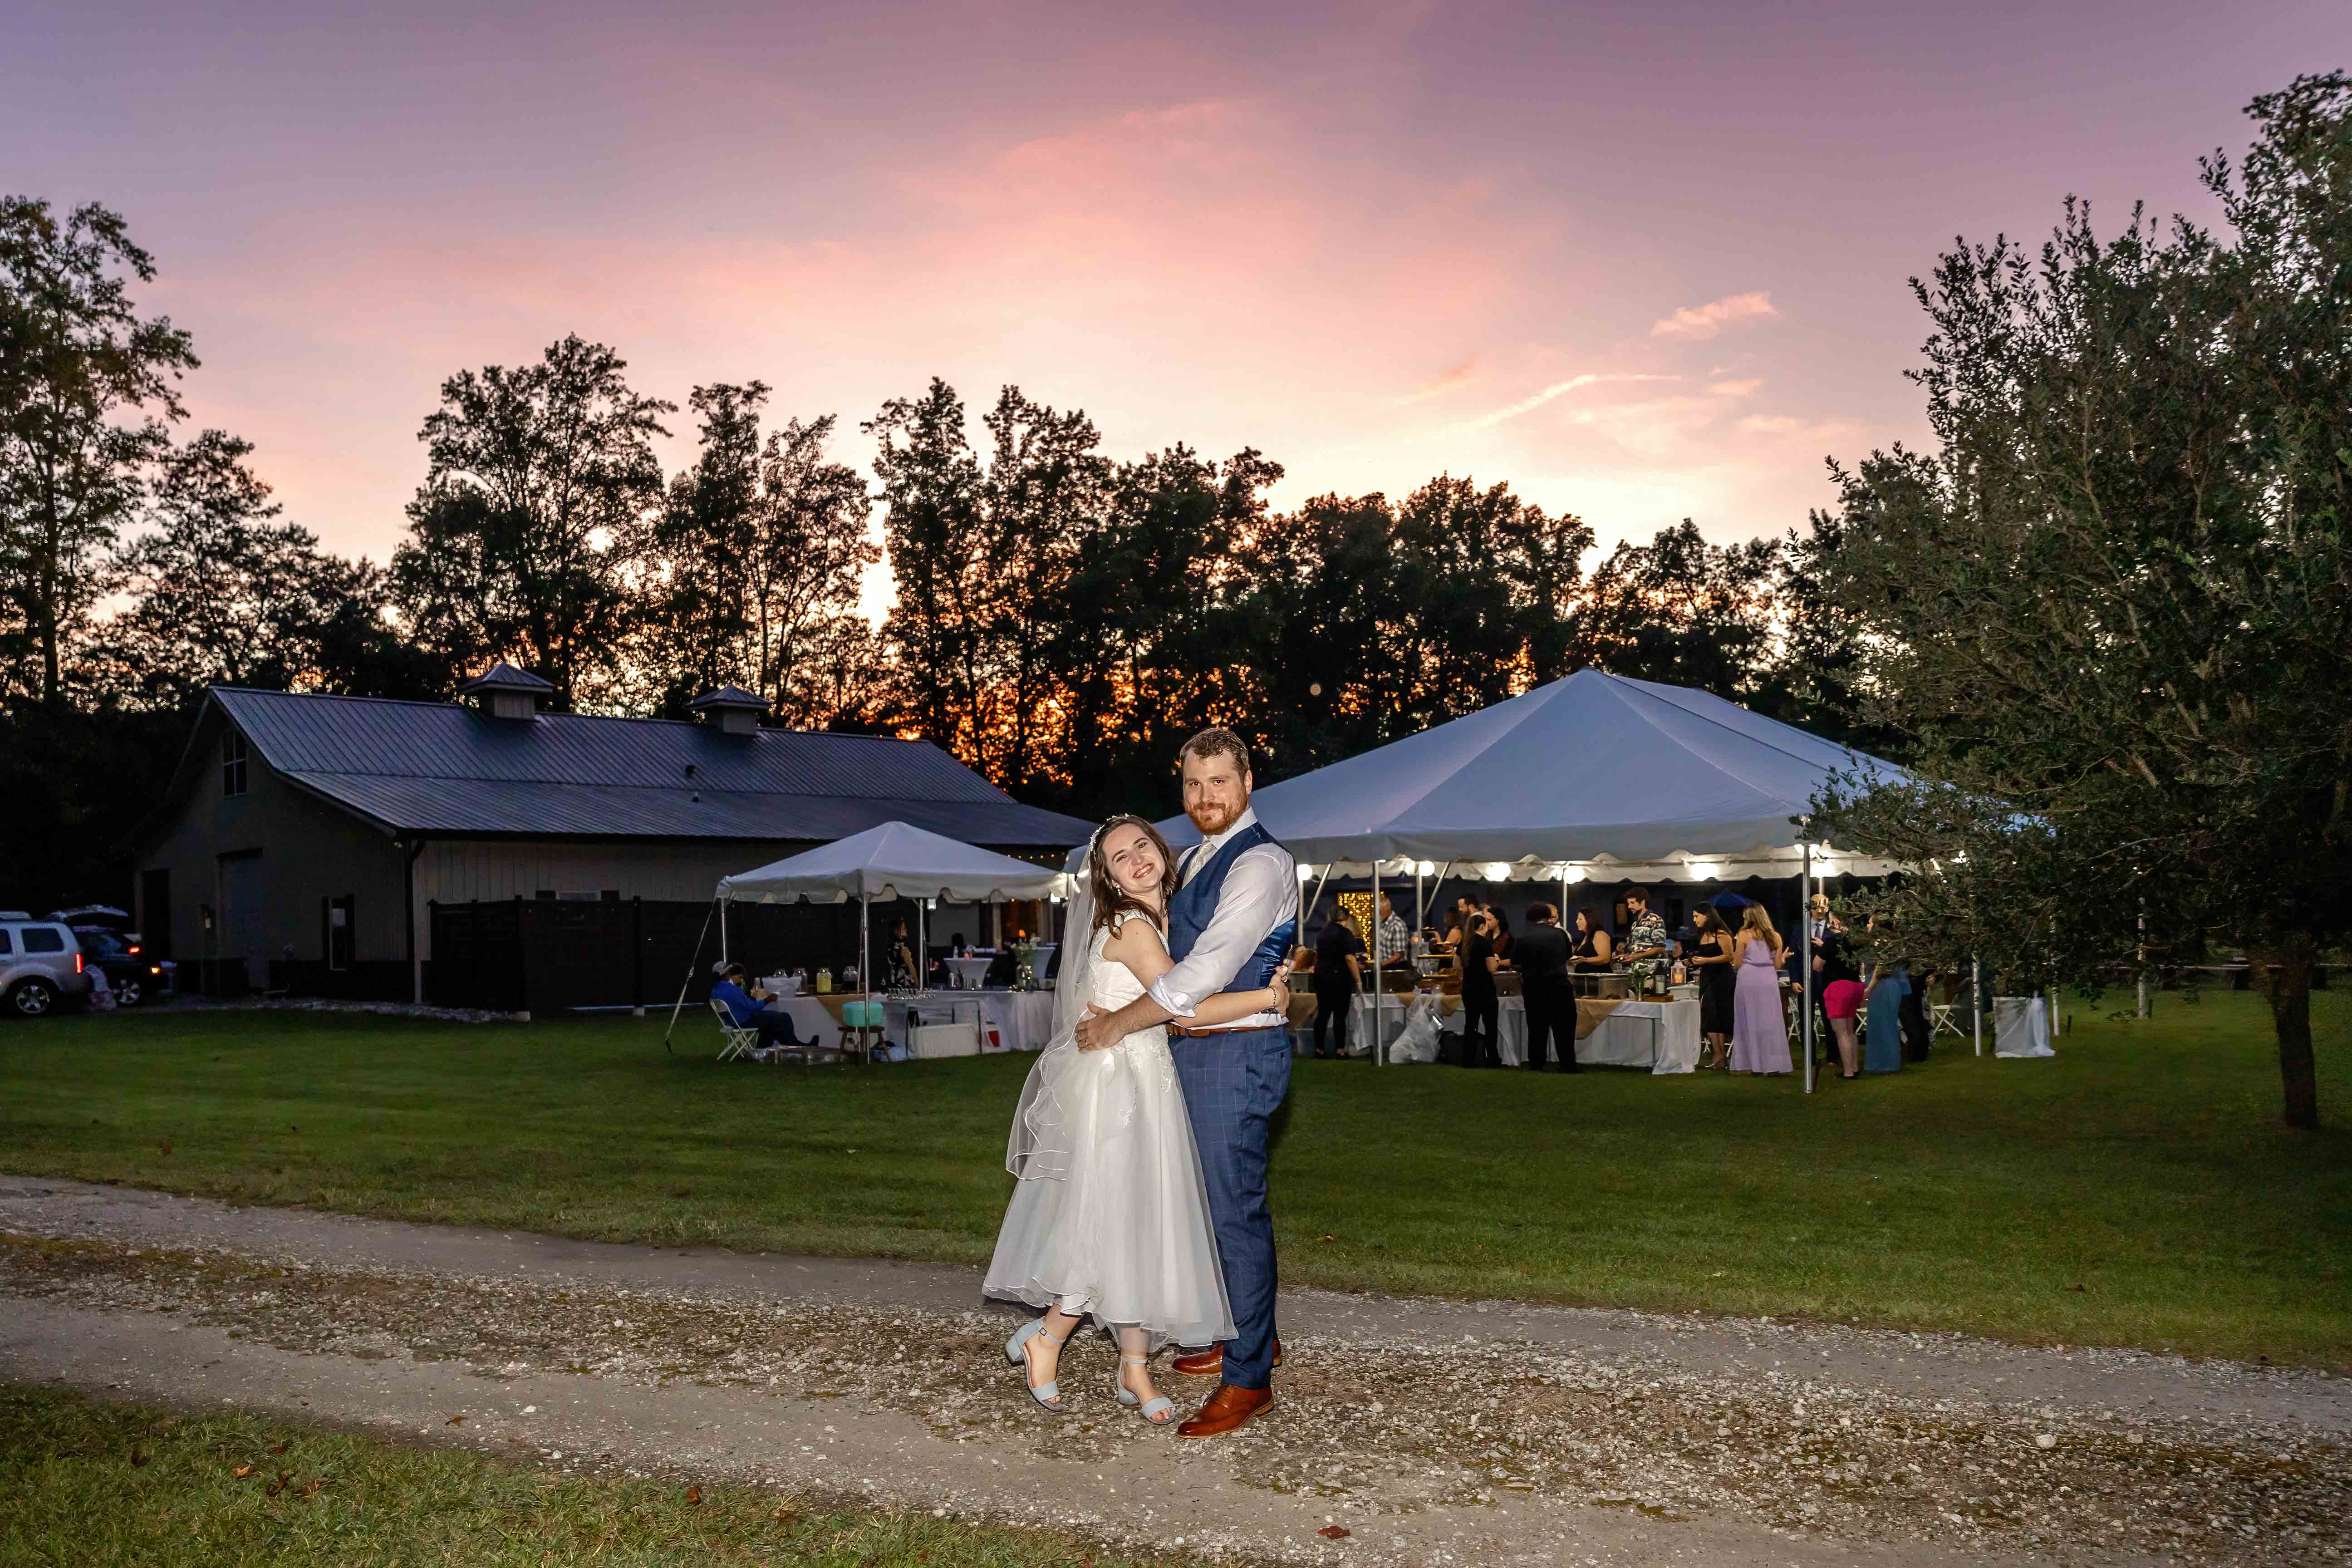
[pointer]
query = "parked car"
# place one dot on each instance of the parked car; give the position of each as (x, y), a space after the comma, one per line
(131, 974)
(41, 965)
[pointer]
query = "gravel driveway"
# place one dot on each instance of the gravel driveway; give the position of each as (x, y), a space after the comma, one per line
(1428, 1431)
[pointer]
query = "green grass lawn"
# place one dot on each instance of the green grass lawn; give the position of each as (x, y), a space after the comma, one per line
(2137, 1190)
(92, 1483)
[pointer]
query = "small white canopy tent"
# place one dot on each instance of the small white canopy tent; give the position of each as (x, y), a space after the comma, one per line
(894, 860)
(1594, 776)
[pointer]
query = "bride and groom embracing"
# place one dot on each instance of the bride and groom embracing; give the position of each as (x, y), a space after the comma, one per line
(1140, 1139)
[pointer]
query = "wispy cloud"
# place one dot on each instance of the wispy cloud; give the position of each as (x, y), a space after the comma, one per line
(1440, 387)
(1557, 389)
(1736, 388)
(1695, 323)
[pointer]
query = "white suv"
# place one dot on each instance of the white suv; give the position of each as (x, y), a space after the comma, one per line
(40, 965)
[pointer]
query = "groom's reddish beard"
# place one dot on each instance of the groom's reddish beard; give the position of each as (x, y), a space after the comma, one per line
(1213, 819)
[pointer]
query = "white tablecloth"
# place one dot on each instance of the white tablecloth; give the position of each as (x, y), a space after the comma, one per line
(811, 1021)
(1009, 1020)
(1622, 1039)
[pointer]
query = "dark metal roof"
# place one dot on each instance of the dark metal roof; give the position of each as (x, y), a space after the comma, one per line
(432, 767)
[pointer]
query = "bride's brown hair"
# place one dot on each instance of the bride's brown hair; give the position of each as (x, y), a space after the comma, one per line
(1110, 899)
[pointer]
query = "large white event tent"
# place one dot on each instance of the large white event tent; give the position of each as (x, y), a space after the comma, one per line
(894, 860)
(1592, 777)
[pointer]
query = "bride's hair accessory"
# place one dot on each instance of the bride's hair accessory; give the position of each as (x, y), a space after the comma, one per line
(1110, 900)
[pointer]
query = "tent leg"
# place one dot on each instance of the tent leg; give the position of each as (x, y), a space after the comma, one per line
(1805, 963)
(722, 931)
(1977, 1001)
(1379, 1040)
(716, 905)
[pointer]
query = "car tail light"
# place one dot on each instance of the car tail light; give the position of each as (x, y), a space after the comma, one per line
(77, 963)
(134, 947)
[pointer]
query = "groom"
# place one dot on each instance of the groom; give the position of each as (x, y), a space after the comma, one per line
(1230, 925)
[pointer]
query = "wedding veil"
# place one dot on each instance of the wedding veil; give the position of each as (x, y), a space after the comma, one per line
(1039, 1144)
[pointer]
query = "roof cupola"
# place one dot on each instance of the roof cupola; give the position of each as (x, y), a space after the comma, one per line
(505, 693)
(732, 710)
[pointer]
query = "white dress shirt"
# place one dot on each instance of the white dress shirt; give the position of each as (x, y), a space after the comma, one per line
(1261, 892)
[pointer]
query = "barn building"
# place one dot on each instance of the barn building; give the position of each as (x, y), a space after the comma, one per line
(308, 842)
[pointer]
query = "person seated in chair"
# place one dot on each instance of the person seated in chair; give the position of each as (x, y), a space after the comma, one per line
(750, 1010)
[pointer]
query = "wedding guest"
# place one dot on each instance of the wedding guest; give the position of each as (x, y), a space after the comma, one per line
(1841, 1001)
(1542, 961)
(1890, 981)
(900, 959)
(1918, 1034)
(1396, 945)
(1759, 1029)
(1458, 931)
(1339, 969)
(1833, 956)
(1481, 1005)
(749, 1007)
(1646, 941)
(1591, 951)
(1711, 957)
(1502, 937)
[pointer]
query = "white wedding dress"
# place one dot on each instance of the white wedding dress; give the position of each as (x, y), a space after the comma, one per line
(1110, 1216)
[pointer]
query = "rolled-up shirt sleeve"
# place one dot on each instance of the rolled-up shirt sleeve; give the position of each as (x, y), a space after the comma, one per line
(1260, 892)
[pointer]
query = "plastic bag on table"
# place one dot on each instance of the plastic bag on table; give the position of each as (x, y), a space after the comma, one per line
(1417, 1041)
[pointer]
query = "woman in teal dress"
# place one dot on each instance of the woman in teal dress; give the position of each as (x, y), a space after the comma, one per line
(1890, 981)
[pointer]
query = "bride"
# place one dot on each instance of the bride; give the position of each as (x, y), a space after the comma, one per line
(1111, 1217)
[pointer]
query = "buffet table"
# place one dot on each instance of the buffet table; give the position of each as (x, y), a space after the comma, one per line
(1009, 1020)
(1661, 1036)
(815, 1018)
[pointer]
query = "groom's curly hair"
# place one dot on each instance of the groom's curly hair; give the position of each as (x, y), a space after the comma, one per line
(1216, 743)
(1110, 899)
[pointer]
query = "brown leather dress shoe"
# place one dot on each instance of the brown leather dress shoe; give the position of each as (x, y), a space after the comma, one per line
(1211, 1363)
(1228, 1408)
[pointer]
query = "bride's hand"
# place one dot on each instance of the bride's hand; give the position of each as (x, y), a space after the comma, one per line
(1280, 988)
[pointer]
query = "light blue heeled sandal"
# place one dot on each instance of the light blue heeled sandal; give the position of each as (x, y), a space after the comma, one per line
(1016, 1350)
(1157, 1410)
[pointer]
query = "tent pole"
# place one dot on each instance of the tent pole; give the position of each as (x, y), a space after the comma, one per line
(864, 958)
(1976, 1000)
(1805, 963)
(719, 904)
(1380, 1043)
(722, 931)
(922, 948)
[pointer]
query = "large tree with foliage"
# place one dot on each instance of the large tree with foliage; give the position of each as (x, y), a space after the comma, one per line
(221, 590)
(2111, 605)
(86, 388)
(539, 483)
(984, 548)
(759, 549)
(1684, 612)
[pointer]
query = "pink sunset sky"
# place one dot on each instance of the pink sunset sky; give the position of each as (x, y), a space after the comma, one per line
(1642, 262)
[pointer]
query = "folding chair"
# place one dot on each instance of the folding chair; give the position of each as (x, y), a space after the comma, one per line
(736, 1041)
(1944, 1018)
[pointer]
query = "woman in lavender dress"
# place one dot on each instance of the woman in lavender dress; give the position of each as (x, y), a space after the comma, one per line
(1760, 1030)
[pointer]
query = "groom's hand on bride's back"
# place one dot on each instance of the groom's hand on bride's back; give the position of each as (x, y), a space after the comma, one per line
(1091, 1035)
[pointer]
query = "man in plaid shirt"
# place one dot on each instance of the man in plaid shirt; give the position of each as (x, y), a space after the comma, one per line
(1396, 945)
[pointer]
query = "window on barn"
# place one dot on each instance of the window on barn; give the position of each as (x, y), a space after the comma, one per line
(232, 756)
